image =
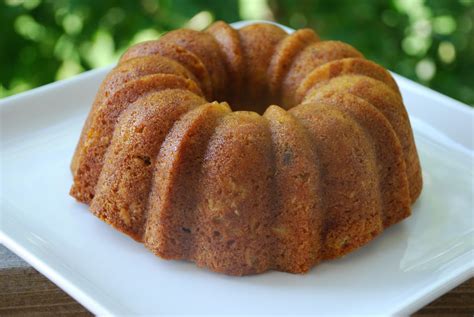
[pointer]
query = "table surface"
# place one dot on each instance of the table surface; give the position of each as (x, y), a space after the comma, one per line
(24, 291)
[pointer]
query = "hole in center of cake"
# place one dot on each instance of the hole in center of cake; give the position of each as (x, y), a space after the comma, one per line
(246, 103)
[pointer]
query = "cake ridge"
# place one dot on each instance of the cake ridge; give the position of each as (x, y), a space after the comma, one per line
(312, 56)
(343, 229)
(379, 131)
(297, 225)
(95, 145)
(285, 52)
(229, 43)
(394, 110)
(232, 208)
(204, 46)
(125, 180)
(177, 53)
(119, 76)
(344, 66)
(169, 231)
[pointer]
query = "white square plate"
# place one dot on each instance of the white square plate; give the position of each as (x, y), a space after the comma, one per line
(405, 268)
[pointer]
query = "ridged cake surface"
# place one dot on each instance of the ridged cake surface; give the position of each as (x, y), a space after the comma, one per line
(247, 150)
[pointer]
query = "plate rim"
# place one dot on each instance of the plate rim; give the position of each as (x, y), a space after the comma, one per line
(61, 280)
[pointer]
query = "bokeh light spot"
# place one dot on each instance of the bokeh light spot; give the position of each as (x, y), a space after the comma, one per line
(416, 45)
(444, 25)
(447, 52)
(200, 21)
(255, 10)
(18, 85)
(27, 4)
(31, 4)
(425, 69)
(68, 68)
(101, 51)
(64, 48)
(72, 24)
(27, 27)
(422, 28)
(145, 35)
(14, 3)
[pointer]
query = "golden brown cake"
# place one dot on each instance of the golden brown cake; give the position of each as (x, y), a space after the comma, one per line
(183, 150)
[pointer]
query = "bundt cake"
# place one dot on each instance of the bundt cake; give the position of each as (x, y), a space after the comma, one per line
(246, 186)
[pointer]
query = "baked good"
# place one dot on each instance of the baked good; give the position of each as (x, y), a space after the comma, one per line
(243, 187)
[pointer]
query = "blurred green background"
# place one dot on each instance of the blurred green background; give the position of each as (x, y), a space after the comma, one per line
(431, 41)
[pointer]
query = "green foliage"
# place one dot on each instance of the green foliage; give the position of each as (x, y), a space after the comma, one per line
(430, 41)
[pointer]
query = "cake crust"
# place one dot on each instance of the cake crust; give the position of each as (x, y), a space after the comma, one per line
(312, 157)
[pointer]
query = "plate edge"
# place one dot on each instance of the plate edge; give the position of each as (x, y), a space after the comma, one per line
(53, 275)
